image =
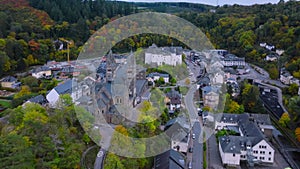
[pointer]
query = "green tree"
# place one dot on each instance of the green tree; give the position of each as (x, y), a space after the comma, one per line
(30, 81)
(293, 89)
(112, 162)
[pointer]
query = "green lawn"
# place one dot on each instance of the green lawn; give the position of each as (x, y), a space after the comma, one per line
(5, 103)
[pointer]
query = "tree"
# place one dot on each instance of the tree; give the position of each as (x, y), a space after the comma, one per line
(250, 98)
(173, 81)
(25, 90)
(187, 81)
(15, 152)
(30, 81)
(284, 119)
(112, 162)
(293, 89)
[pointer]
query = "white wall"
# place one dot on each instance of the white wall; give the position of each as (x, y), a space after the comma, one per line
(172, 59)
(41, 74)
(220, 125)
(52, 97)
(229, 158)
(268, 158)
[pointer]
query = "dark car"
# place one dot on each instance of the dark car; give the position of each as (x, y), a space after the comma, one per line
(200, 112)
(191, 149)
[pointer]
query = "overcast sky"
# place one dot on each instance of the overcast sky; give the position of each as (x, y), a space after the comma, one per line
(213, 2)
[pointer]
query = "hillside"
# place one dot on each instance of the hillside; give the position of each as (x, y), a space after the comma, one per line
(29, 27)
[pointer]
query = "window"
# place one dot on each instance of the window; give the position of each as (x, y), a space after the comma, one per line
(269, 159)
(233, 155)
(270, 153)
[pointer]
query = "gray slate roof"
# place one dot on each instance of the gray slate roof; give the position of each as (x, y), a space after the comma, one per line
(248, 124)
(236, 144)
(40, 99)
(9, 79)
(42, 68)
(64, 88)
(170, 159)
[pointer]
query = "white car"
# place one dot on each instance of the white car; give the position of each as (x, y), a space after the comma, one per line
(100, 154)
(193, 136)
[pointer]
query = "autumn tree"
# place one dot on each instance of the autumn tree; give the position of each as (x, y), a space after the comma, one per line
(284, 119)
(297, 133)
(25, 90)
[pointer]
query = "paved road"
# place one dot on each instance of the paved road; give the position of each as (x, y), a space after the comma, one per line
(99, 162)
(197, 161)
(261, 76)
(197, 156)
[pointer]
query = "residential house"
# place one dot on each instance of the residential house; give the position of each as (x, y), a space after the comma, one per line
(204, 81)
(271, 57)
(218, 78)
(178, 131)
(279, 52)
(263, 44)
(173, 100)
(210, 96)
(42, 72)
(67, 87)
(165, 55)
(40, 99)
(155, 76)
(170, 159)
(10, 82)
(232, 60)
(295, 80)
(70, 71)
(285, 77)
(251, 145)
(270, 47)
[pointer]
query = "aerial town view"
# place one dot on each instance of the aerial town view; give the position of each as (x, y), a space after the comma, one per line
(139, 84)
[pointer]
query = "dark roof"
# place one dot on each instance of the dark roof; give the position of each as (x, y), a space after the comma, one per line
(42, 68)
(174, 96)
(158, 74)
(177, 129)
(170, 159)
(247, 123)
(40, 99)
(139, 86)
(204, 80)
(64, 88)
(235, 144)
(208, 89)
(9, 79)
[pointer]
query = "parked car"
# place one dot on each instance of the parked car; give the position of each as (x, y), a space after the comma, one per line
(193, 136)
(191, 149)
